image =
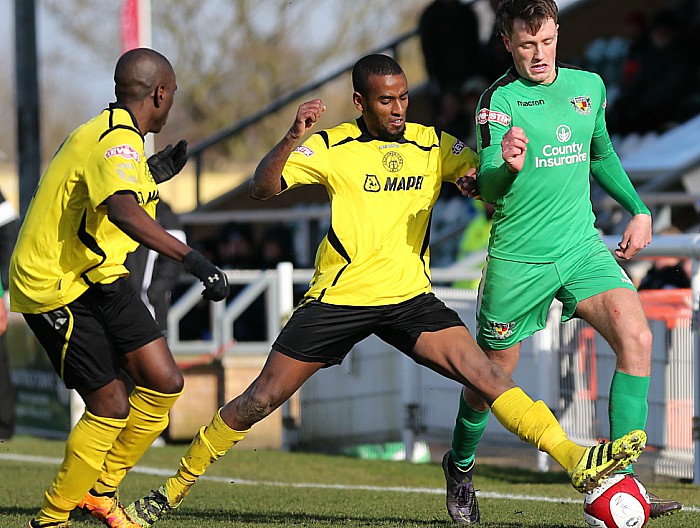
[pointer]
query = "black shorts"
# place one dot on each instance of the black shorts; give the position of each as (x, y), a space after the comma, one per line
(86, 338)
(325, 332)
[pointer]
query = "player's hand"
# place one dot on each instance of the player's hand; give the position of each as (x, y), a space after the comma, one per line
(216, 287)
(636, 237)
(307, 115)
(467, 185)
(168, 162)
(514, 147)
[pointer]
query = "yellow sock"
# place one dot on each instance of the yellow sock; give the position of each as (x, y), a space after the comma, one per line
(209, 444)
(86, 447)
(148, 417)
(535, 423)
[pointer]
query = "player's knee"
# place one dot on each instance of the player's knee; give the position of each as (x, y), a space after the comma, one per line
(637, 343)
(117, 408)
(175, 383)
(645, 339)
(171, 382)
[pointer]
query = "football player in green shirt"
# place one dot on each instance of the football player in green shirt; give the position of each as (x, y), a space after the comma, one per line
(541, 133)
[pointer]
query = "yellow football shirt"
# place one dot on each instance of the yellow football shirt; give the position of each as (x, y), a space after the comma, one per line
(66, 241)
(382, 194)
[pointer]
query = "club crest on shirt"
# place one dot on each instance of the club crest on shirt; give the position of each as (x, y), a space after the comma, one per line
(582, 104)
(372, 183)
(123, 151)
(501, 330)
(392, 161)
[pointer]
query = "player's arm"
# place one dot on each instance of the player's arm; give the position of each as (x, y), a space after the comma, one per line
(501, 147)
(500, 164)
(459, 162)
(267, 180)
(611, 176)
(608, 172)
(124, 211)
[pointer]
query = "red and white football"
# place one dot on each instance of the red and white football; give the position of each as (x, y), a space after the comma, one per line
(619, 502)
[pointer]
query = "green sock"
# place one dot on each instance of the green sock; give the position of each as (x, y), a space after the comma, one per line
(628, 408)
(469, 427)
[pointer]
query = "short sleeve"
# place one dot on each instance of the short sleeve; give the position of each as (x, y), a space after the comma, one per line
(308, 163)
(117, 164)
(457, 157)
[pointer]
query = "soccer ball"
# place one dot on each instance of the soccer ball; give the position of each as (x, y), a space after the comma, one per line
(619, 502)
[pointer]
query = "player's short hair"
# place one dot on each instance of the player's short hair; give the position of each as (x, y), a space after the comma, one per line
(369, 65)
(533, 12)
(138, 72)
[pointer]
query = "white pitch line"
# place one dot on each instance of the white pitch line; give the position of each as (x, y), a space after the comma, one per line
(232, 480)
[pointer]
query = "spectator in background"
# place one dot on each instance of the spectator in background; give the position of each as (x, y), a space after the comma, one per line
(494, 57)
(457, 110)
(8, 234)
(635, 30)
(667, 273)
(152, 275)
(275, 247)
(452, 116)
(235, 248)
(652, 98)
(449, 35)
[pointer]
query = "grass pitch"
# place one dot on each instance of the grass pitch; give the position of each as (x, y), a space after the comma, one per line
(261, 489)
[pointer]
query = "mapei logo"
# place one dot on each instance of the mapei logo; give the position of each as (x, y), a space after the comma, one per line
(395, 183)
(563, 133)
(485, 115)
(306, 151)
(582, 104)
(392, 161)
(123, 151)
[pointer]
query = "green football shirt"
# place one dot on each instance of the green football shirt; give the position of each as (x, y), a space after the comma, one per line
(382, 195)
(546, 208)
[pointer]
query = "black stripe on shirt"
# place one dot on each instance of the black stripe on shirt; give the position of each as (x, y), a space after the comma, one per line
(510, 77)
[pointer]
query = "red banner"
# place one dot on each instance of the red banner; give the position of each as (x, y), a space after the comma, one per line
(130, 25)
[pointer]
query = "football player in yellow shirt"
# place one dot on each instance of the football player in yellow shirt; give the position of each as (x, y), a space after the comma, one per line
(383, 177)
(94, 204)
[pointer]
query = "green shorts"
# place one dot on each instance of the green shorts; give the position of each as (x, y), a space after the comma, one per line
(514, 297)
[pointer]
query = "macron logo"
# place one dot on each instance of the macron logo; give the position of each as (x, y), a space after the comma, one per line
(123, 151)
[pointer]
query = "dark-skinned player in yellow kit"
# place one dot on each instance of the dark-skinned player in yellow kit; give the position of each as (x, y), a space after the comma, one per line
(383, 176)
(94, 204)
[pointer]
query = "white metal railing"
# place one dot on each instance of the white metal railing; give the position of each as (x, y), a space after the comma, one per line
(277, 286)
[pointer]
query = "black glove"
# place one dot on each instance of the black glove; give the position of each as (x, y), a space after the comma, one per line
(215, 282)
(168, 162)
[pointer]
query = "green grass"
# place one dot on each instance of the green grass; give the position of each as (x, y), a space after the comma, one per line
(260, 489)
